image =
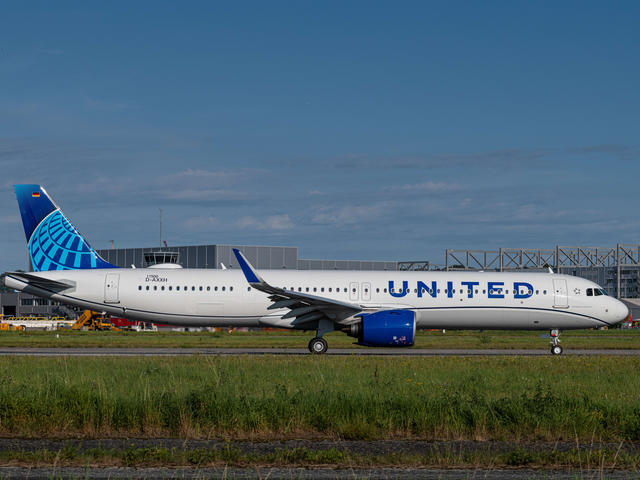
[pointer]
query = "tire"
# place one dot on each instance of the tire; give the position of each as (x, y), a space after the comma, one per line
(556, 350)
(318, 346)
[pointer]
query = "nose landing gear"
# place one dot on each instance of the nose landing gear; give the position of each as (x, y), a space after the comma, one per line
(556, 349)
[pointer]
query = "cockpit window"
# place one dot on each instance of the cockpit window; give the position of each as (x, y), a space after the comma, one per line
(589, 292)
(602, 291)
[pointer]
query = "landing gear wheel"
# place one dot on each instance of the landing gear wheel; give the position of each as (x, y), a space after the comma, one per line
(318, 346)
(556, 350)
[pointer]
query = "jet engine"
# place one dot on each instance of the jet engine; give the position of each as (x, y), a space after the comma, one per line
(387, 328)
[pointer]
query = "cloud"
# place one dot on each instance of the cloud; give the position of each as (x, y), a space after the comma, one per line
(427, 187)
(200, 223)
(491, 159)
(105, 105)
(352, 214)
(273, 222)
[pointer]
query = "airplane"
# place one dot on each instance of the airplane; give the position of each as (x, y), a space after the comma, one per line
(378, 308)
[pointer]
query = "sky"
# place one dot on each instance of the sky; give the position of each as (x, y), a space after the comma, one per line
(353, 130)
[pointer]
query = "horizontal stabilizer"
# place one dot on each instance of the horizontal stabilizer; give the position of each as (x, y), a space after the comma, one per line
(36, 281)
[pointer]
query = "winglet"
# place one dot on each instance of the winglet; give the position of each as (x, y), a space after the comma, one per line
(248, 270)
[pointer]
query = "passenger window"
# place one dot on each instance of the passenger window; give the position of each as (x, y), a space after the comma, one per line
(208, 288)
(186, 288)
(155, 287)
(377, 290)
(322, 289)
(544, 292)
(329, 289)
(307, 289)
(170, 288)
(139, 287)
(162, 288)
(249, 289)
(299, 289)
(385, 290)
(231, 289)
(589, 292)
(193, 288)
(315, 289)
(224, 288)
(200, 288)
(177, 288)
(147, 287)
(476, 292)
(215, 288)
(537, 292)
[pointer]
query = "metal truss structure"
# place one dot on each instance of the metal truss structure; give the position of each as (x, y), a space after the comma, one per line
(560, 258)
(417, 266)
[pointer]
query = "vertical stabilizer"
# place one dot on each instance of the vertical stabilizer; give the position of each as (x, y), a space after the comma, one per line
(53, 242)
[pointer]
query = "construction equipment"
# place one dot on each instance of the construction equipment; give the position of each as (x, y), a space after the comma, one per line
(9, 327)
(90, 320)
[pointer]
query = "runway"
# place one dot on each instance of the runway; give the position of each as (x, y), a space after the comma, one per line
(397, 352)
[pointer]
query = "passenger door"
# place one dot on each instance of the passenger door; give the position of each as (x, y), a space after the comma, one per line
(560, 297)
(111, 287)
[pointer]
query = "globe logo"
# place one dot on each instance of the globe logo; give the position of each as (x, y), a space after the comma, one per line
(57, 245)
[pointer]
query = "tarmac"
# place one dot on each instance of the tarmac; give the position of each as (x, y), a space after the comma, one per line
(406, 352)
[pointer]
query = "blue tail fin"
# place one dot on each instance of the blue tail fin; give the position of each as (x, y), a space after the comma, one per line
(53, 243)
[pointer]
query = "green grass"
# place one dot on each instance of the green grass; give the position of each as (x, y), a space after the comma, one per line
(579, 339)
(279, 397)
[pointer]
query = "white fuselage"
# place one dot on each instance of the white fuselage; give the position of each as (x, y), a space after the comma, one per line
(452, 300)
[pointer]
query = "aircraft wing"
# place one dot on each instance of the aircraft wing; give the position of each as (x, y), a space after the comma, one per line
(304, 308)
(38, 282)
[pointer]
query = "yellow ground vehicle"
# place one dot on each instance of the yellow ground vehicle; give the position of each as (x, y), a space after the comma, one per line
(93, 321)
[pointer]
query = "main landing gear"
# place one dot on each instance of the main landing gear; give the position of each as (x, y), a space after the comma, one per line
(556, 349)
(319, 345)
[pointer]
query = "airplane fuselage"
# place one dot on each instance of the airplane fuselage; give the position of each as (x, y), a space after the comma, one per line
(451, 300)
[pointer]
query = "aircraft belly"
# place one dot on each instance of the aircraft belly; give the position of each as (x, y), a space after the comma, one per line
(502, 318)
(461, 318)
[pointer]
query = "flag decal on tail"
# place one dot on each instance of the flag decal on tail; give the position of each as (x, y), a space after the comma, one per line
(35, 194)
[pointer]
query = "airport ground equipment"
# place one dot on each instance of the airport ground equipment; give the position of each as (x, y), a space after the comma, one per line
(91, 320)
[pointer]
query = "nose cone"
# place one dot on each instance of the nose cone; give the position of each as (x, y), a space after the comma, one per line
(620, 311)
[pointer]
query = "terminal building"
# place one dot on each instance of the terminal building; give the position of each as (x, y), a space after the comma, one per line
(616, 269)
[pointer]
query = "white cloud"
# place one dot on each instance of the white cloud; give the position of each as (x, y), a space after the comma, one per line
(428, 187)
(273, 222)
(350, 214)
(200, 223)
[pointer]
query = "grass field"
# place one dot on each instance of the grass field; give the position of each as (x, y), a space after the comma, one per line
(578, 339)
(274, 397)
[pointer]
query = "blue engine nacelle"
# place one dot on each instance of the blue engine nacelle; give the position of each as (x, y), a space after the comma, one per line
(388, 328)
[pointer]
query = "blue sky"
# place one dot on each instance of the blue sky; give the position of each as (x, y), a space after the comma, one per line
(354, 130)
